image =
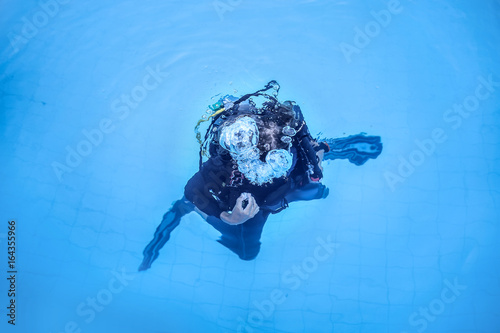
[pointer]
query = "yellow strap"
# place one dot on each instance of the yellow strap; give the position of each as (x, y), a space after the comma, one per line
(196, 128)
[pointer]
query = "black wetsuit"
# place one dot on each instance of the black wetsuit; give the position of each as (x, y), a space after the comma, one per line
(216, 187)
(218, 184)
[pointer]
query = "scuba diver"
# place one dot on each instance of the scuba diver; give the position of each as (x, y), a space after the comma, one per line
(260, 159)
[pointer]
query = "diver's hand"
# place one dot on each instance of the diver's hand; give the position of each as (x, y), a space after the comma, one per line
(241, 213)
(321, 148)
(320, 155)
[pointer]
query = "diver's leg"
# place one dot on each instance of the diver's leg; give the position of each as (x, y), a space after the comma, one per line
(356, 148)
(170, 221)
(243, 239)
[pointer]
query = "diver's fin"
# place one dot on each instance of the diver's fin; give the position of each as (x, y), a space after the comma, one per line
(170, 221)
(356, 148)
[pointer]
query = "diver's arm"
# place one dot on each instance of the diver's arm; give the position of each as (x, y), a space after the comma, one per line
(239, 214)
(196, 192)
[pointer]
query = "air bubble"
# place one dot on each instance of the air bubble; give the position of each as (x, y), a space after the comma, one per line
(287, 130)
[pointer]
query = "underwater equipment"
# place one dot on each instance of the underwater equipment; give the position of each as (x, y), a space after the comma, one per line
(216, 108)
(357, 148)
(170, 221)
(308, 154)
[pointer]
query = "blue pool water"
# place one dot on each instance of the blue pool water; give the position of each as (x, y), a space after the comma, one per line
(404, 243)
